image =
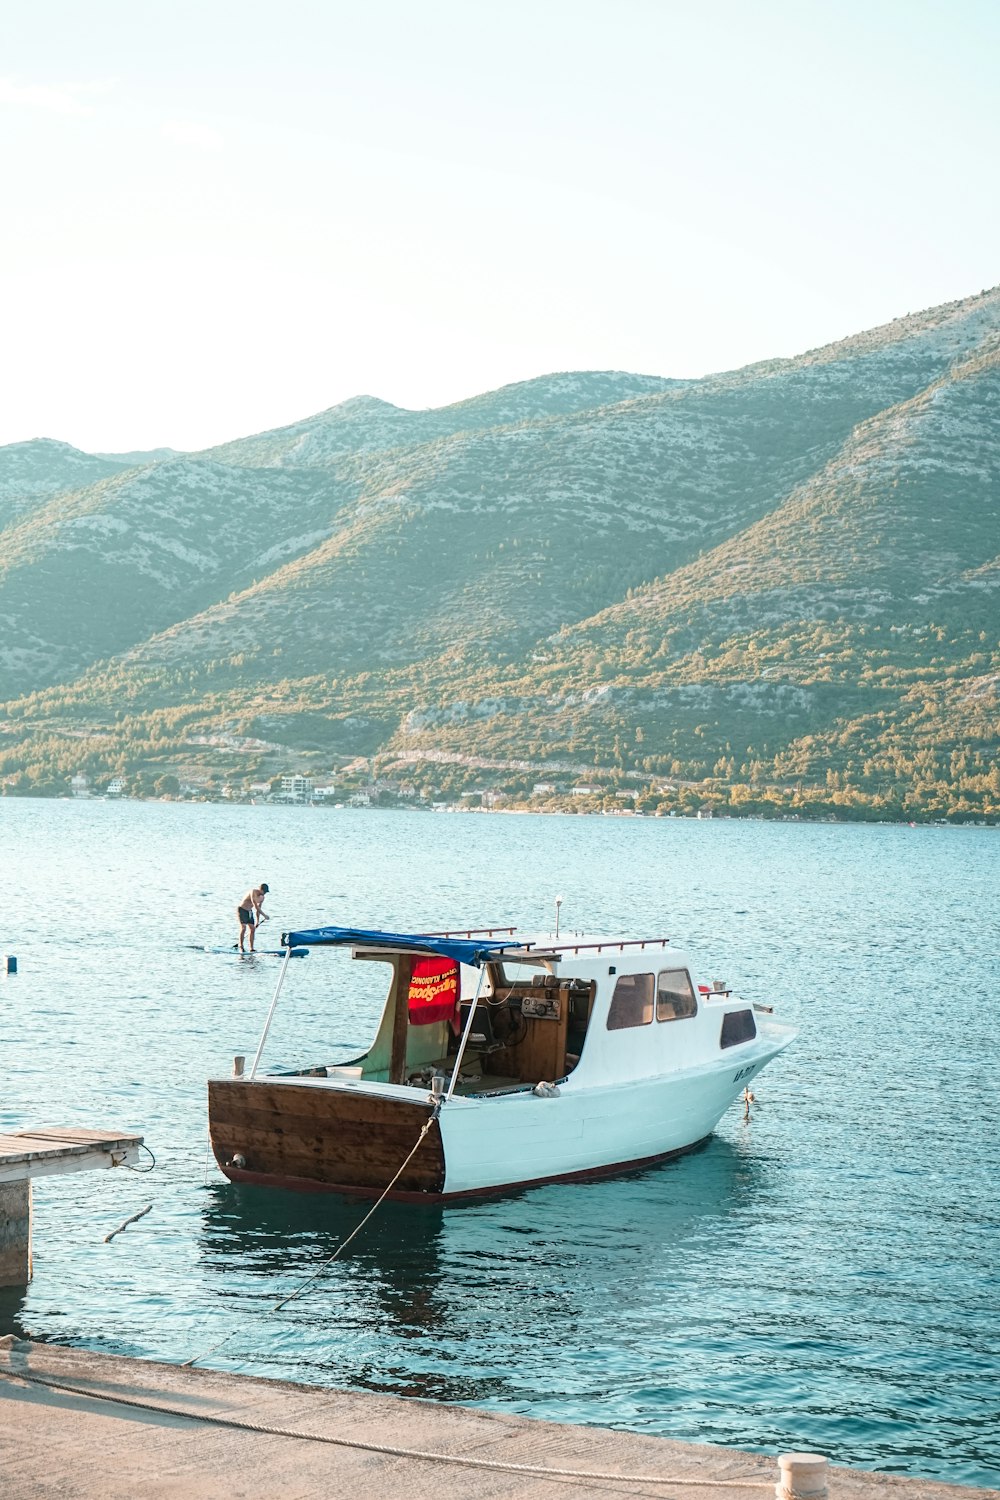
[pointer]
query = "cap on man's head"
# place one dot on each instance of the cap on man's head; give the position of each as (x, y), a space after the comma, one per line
(264, 887)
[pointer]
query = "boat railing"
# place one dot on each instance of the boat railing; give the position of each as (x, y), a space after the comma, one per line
(610, 945)
(471, 932)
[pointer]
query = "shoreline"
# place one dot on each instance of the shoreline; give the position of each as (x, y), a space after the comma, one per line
(716, 815)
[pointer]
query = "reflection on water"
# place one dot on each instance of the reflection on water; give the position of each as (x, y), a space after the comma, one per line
(822, 1277)
(431, 1300)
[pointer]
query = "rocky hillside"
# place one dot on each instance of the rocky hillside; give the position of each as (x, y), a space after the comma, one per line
(779, 575)
(365, 424)
(35, 471)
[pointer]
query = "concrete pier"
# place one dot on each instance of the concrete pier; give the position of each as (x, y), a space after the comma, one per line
(99, 1427)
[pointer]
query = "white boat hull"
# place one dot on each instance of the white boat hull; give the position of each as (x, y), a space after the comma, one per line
(346, 1135)
(590, 1059)
(519, 1138)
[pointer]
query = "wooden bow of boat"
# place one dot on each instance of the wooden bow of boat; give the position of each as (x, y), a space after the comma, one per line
(298, 1135)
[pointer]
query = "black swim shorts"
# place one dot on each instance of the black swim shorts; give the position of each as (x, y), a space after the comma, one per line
(246, 917)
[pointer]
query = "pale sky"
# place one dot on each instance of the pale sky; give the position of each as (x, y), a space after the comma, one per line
(226, 215)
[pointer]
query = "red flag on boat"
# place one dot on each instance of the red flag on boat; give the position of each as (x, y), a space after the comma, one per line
(434, 991)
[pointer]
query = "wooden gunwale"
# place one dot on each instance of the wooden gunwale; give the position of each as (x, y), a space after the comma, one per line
(322, 1137)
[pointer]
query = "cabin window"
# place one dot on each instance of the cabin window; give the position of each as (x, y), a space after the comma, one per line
(737, 1026)
(674, 995)
(632, 1002)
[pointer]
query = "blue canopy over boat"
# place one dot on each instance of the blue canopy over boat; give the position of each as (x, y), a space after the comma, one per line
(460, 950)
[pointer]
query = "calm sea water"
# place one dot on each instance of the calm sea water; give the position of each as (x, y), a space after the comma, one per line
(823, 1277)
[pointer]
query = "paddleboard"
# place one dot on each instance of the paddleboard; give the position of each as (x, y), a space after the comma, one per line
(257, 952)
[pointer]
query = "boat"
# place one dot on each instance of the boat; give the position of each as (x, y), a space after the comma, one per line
(498, 1063)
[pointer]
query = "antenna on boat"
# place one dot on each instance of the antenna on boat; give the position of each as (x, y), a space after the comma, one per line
(559, 902)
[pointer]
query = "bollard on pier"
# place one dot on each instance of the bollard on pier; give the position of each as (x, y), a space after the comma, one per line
(803, 1477)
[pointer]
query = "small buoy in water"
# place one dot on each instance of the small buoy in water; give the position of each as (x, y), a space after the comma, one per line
(10, 963)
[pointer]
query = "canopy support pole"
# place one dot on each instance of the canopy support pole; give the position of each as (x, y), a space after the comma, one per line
(270, 1015)
(465, 1034)
(401, 1018)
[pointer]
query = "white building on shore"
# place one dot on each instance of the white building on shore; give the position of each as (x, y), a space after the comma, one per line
(296, 788)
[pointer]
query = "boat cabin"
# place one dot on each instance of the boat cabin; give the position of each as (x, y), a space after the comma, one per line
(537, 1012)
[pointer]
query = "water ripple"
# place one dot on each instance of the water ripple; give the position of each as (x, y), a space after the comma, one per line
(824, 1277)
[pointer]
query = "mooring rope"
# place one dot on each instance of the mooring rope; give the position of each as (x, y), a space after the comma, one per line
(130, 1220)
(339, 1250)
(391, 1451)
(140, 1171)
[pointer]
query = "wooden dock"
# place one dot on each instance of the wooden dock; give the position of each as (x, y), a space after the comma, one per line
(26, 1154)
(103, 1427)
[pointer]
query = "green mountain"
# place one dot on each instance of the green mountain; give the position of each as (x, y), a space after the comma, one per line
(776, 584)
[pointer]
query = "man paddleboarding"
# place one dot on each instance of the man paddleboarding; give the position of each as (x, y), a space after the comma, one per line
(251, 913)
